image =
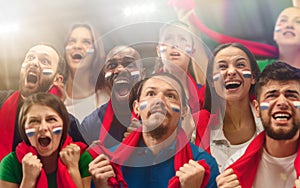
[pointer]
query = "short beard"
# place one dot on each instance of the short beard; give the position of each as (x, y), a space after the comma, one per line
(281, 135)
(158, 132)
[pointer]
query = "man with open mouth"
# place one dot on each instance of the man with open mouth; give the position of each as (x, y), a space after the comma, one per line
(108, 123)
(41, 71)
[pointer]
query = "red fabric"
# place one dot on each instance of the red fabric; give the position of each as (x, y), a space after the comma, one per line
(123, 152)
(194, 94)
(259, 49)
(8, 114)
(63, 178)
(251, 159)
(107, 121)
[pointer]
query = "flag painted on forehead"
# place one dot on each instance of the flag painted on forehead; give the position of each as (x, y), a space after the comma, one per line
(247, 73)
(162, 48)
(108, 75)
(296, 104)
(57, 130)
(143, 105)
(264, 106)
(175, 107)
(47, 71)
(135, 74)
(216, 76)
(30, 132)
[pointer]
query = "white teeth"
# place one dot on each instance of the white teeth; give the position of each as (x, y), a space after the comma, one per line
(281, 117)
(122, 82)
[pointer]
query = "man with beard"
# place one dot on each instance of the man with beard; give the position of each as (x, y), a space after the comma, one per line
(109, 122)
(41, 71)
(272, 159)
(158, 153)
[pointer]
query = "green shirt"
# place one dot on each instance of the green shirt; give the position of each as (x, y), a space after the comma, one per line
(11, 169)
(263, 63)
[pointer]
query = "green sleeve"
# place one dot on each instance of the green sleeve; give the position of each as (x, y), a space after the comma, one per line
(11, 169)
(84, 162)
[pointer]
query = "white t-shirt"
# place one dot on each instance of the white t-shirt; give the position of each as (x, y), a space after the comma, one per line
(224, 152)
(275, 172)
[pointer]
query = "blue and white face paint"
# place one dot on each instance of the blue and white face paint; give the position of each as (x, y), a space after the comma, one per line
(68, 48)
(90, 51)
(247, 73)
(162, 49)
(135, 74)
(108, 75)
(175, 107)
(47, 72)
(296, 104)
(264, 106)
(30, 132)
(216, 76)
(143, 105)
(188, 50)
(57, 130)
(277, 29)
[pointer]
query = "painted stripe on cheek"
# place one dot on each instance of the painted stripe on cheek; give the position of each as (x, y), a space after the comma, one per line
(216, 76)
(30, 132)
(296, 104)
(143, 105)
(264, 106)
(57, 130)
(247, 74)
(175, 107)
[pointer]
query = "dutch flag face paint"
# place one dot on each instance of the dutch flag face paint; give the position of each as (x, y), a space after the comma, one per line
(90, 51)
(47, 71)
(188, 50)
(57, 130)
(143, 105)
(296, 104)
(108, 75)
(264, 106)
(216, 76)
(68, 48)
(162, 49)
(135, 74)
(277, 29)
(247, 73)
(30, 132)
(175, 107)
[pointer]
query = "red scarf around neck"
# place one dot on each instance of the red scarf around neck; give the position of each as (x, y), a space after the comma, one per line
(8, 115)
(63, 178)
(107, 121)
(246, 166)
(123, 152)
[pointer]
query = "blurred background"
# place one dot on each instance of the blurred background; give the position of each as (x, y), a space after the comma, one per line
(25, 23)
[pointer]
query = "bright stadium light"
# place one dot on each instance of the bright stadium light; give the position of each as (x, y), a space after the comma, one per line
(139, 10)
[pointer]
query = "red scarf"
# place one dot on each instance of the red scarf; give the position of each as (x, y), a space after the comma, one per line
(195, 101)
(123, 152)
(63, 178)
(8, 115)
(251, 159)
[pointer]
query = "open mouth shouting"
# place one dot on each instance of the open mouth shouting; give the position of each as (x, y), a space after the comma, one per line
(77, 56)
(32, 77)
(281, 117)
(44, 141)
(232, 84)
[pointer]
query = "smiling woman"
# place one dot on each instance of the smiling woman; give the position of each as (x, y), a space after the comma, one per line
(46, 151)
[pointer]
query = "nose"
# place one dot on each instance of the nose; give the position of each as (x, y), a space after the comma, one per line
(43, 127)
(77, 45)
(158, 101)
(119, 68)
(231, 71)
(282, 102)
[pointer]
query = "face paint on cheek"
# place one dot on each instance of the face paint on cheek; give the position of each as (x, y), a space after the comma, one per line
(216, 76)
(57, 130)
(175, 107)
(162, 49)
(188, 50)
(247, 74)
(23, 66)
(68, 48)
(108, 75)
(264, 106)
(135, 74)
(277, 29)
(47, 71)
(90, 51)
(143, 105)
(296, 104)
(30, 132)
